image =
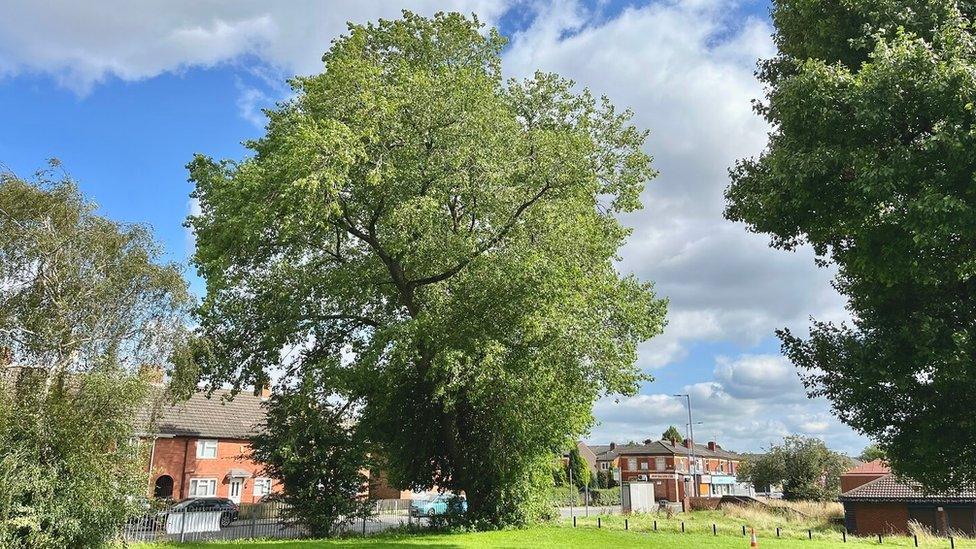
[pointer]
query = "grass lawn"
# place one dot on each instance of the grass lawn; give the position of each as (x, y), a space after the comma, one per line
(553, 537)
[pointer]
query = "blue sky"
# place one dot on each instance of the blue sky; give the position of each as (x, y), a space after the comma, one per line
(124, 96)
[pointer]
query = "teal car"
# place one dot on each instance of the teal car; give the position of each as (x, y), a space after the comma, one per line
(439, 504)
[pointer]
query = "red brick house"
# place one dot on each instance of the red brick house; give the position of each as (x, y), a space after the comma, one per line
(886, 505)
(667, 466)
(200, 448)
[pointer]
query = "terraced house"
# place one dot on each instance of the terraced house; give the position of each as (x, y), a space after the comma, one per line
(200, 448)
(670, 468)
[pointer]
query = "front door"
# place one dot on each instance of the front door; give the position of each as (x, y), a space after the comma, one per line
(234, 491)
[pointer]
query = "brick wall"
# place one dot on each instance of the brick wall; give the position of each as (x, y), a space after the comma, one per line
(177, 457)
(880, 518)
(704, 504)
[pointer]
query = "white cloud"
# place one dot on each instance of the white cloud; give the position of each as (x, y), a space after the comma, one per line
(83, 43)
(752, 401)
(686, 68)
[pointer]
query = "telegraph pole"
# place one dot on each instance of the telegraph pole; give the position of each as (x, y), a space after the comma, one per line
(691, 437)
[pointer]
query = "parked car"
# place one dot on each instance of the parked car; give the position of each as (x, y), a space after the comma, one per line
(439, 504)
(151, 511)
(229, 510)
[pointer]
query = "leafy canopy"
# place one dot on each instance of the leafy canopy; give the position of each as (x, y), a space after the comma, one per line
(871, 162)
(441, 243)
(84, 303)
(805, 467)
(672, 435)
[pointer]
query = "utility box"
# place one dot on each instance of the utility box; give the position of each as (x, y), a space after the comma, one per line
(637, 497)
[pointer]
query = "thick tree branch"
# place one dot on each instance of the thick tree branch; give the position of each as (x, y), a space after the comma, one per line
(485, 246)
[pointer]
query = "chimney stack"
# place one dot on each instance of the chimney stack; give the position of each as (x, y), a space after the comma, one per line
(265, 392)
(686, 443)
(712, 445)
(613, 445)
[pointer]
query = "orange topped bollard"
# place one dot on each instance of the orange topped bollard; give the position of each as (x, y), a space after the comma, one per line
(753, 542)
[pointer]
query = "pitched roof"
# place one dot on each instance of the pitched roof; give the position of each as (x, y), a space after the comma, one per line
(870, 468)
(891, 488)
(215, 416)
(659, 448)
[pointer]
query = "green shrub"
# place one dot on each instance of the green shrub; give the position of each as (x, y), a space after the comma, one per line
(605, 496)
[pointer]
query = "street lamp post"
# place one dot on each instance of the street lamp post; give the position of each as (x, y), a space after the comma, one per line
(691, 437)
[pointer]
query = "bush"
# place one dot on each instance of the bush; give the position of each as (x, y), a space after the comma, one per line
(562, 496)
(605, 496)
(60, 484)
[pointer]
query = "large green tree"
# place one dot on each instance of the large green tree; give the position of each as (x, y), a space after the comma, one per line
(805, 467)
(451, 236)
(871, 161)
(84, 304)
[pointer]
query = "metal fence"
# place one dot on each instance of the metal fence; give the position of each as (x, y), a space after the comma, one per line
(257, 520)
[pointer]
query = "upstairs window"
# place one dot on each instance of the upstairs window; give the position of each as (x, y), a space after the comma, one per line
(659, 464)
(206, 449)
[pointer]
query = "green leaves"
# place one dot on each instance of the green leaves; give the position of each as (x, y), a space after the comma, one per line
(452, 237)
(871, 162)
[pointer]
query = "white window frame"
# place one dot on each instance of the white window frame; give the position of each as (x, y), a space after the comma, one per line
(204, 445)
(262, 486)
(644, 466)
(660, 464)
(632, 464)
(195, 484)
(604, 465)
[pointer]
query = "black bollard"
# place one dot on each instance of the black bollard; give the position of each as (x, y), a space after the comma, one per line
(809, 534)
(574, 522)
(879, 539)
(626, 525)
(714, 531)
(655, 526)
(777, 531)
(598, 523)
(952, 543)
(743, 529)
(844, 532)
(682, 526)
(916, 539)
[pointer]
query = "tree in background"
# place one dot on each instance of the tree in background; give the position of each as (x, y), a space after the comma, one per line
(805, 467)
(602, 479)
(312, 447)
(453, 237)
(579, 468)
(672, 435)
(872, 452)
(871, 162)
(84, 303)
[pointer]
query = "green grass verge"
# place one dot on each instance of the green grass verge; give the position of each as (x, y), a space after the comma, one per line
(553, 537)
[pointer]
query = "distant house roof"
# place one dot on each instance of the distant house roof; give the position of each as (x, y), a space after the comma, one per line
(210, 417)
(876, 467)
(659, 448)
(890, 488)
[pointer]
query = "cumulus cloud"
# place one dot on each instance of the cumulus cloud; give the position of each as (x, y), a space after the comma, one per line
(686, 68)
(751, 402)
(83, 43)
